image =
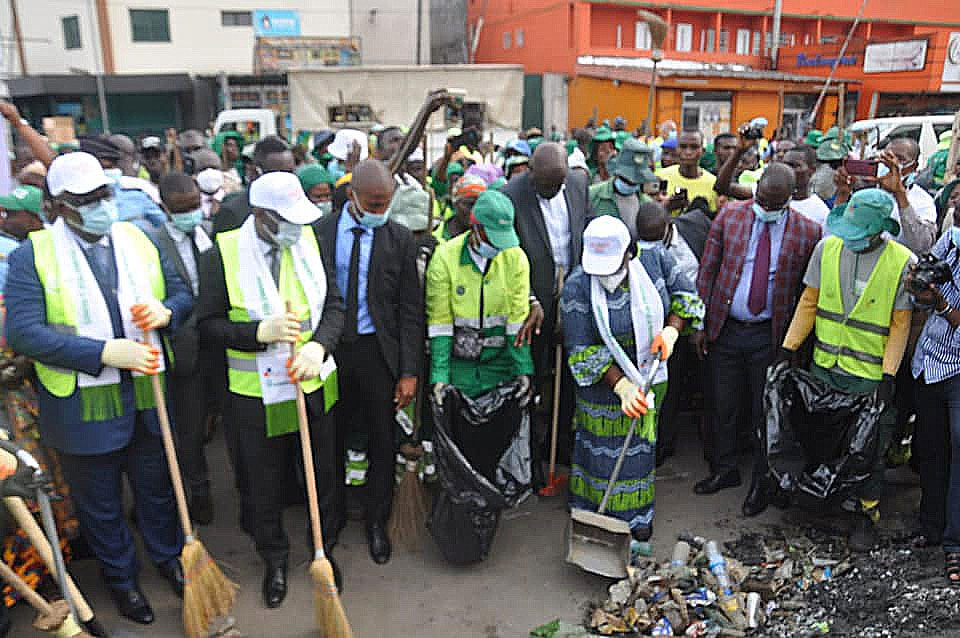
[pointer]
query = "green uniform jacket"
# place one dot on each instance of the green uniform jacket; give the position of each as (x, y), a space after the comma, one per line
(603, 200)
(459, 297)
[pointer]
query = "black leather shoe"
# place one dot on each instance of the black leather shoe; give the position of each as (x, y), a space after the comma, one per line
(275, 585)
(716, 482)
(756, 500)
(201, 506)
(132, 604)
(379, 543)
(173, 573)
(94, 628)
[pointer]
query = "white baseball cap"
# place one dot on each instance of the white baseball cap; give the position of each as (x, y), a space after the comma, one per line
(605, 241)
(281, 192)
(77, 173)
(340, 147)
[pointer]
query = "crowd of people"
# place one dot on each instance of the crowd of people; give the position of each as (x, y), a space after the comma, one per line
(657, 271)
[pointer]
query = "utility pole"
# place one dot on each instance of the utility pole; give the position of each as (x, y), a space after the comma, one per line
(98, 70)
(775, 45)
(18, 34)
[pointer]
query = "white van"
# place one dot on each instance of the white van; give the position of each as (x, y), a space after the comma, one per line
(261, 122)
(924, 129)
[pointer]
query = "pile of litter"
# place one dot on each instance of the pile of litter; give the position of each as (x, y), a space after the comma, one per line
(777, 584)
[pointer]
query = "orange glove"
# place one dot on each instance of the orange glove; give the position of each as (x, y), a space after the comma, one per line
(663, 343)
(633, 402)
(150, 315)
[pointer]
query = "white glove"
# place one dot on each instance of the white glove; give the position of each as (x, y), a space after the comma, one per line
(524, 385)
(151, 315)
(633, 403)
(281, 328)
(307, 361)
(663, 343)
(439, 389)
(130, 355)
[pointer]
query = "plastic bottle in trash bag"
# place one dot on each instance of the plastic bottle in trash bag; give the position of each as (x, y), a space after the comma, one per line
(729, 601)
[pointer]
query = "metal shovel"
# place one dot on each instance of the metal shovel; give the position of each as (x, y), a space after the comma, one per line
(597, 543)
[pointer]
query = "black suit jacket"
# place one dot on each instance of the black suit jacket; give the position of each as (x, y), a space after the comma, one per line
(213, 305)
(394, 294)
(532, 230)
(233, 211)
(185, 342)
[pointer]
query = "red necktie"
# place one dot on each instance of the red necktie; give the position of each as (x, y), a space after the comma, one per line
(761, 273)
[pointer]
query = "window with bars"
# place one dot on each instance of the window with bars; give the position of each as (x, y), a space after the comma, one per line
(641, 36)
(150, 25)
(71, 32)
(506, 39)
(684, 37)
(743, 41)
(236, 18)
(518, 38)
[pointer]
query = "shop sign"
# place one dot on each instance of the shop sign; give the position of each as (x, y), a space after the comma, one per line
(819, 60)
(950, 81)
(889, 57)
(268, 22)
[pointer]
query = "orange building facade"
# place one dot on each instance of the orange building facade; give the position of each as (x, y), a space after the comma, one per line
(717, 69)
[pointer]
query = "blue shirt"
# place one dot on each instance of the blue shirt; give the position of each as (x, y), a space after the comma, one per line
(344, 247)
(739, 308)
(7, 245)
(937, 355)
(133, 205)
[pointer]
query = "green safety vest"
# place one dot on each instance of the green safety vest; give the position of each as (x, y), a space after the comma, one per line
(100, 403)
(242, 374)
(856, 341)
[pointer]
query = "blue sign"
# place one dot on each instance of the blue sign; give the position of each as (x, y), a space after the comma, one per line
(276, 23)
(819, 60)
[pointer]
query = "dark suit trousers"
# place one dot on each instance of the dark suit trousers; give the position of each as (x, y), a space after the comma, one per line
(96, 486)
(366, 405)
(543, 351)
(189, 407)
(737, 364)
(270, 460)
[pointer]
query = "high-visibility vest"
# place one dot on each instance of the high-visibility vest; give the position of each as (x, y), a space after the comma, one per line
(242, 366)
(61, 315)
(855, 341)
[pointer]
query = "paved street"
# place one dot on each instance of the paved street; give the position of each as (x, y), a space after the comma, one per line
(523, 584)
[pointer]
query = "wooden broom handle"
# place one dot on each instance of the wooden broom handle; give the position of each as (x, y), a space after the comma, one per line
(171, 452)
(556, 409)
(307, 449)
(33, 598)
(38, 539)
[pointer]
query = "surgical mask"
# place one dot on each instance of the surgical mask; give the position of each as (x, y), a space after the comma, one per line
(612, 282)
(368, 219)
(621, 186)
(485, 250)
(113, 173)
(859, 245)
(324, 208)
(769, 216)
(908, 180)
(186, 222)
(955, 235)
(287, 233)
(96, 218)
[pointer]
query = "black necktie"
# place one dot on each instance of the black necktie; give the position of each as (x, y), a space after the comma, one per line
(353, 285)
(103, 259)
(274, 256)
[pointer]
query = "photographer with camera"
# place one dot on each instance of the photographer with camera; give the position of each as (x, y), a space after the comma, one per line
(936, 367)
(856, 303)
(727, 184)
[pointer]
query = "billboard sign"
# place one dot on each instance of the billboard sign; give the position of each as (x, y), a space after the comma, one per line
(950, 81)
(271, 23)
(890, 57)
(272, 55)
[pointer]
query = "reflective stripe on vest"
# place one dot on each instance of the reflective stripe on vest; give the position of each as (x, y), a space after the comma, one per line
(61, 315)
(855, 342)
(242, 366)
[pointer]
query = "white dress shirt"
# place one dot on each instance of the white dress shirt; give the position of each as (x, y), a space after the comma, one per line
(557, 220)
(184, 244)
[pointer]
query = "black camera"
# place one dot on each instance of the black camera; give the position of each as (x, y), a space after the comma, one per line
(929, 271)
(754, 130)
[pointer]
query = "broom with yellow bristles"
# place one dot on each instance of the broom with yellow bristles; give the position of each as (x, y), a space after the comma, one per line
(207, 593)
(53, 618)
(331, 618)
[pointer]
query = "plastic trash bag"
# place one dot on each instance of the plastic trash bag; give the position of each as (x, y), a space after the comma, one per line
(494, 429)
(820, 442)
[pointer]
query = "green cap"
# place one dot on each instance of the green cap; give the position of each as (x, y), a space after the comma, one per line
(603, 134)
(866, 214)
(312, 174)
(634, 162)
(620, 137)
(454, 168)
(494, 211)
(832, 149)
(29, 198)
(813, 138)
(514, 160)
(570, 145)
(498, 184)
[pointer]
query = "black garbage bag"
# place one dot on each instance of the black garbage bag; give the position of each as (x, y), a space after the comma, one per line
(482, 454)
(820, 442)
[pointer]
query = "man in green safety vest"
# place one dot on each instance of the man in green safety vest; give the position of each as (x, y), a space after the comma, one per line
(856, 303)
(263, 289)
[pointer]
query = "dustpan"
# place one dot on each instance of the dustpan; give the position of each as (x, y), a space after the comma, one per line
(598, 543)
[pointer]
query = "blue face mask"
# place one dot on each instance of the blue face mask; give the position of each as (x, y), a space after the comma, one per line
(955, 235)
(769, 216)
(859, 245)
(485, 250)
(287, 233)
(621, 186)
(98, 217)
(368, 219)
(186, 222)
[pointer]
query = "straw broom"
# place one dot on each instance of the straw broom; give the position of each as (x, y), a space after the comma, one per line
(331, 618)
(53, 618)
(409, 516)
(207, 593)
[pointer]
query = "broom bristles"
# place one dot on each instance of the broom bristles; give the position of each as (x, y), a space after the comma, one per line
(657, 25)
(409, 516)
(207, 593)
(331, 617)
